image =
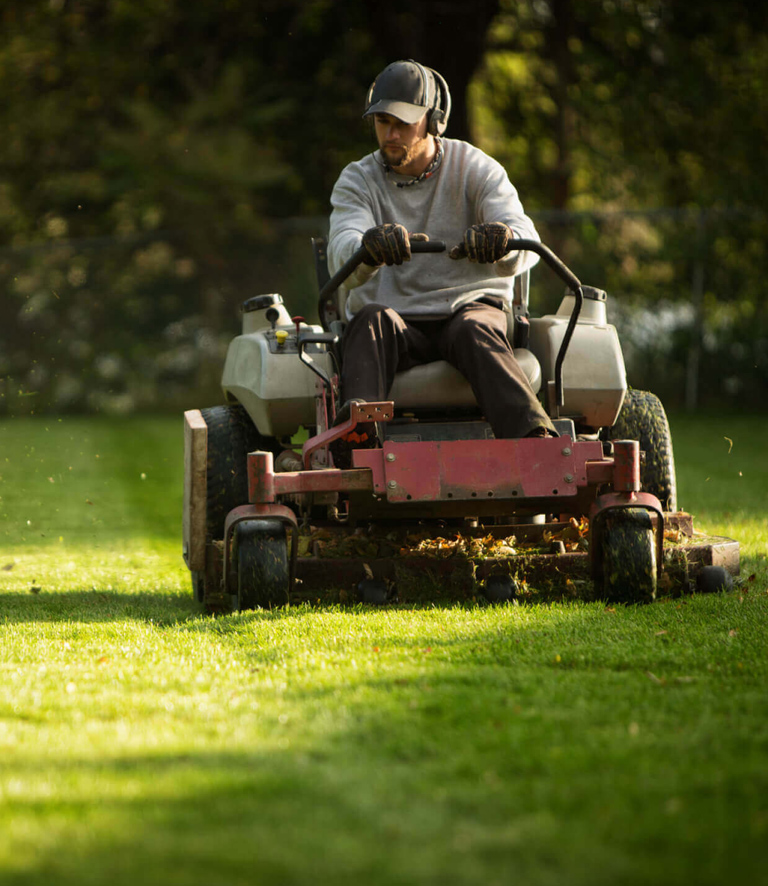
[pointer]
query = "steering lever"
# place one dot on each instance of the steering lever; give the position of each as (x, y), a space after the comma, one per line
(353, 263)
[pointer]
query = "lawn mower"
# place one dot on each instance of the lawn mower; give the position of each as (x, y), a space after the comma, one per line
(269, 519)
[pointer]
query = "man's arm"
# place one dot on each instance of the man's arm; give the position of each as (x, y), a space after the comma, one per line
(351, 217)
(498, 201)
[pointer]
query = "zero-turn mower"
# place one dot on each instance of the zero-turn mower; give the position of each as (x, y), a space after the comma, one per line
(269, 519)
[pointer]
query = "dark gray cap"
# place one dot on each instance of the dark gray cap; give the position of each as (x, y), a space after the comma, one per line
(405, 90)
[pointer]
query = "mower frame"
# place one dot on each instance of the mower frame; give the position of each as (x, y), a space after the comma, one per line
(425, 480)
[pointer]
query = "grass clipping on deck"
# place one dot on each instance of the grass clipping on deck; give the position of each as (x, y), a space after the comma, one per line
(478, 553)
(327, 543)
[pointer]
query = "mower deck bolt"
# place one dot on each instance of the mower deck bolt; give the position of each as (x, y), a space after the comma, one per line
(392, 484)
(566, 451)
(568, 478)
(391, 456)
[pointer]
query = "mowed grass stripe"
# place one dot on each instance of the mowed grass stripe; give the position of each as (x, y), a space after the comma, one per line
(90, 504)
(478, 742)
(574, 744)
(723, 481)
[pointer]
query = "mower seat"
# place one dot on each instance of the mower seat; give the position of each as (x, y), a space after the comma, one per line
(439, 384)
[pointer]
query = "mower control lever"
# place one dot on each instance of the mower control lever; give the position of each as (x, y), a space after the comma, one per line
(549, 257)
(353, 263)
(329, 339)
(556, 398)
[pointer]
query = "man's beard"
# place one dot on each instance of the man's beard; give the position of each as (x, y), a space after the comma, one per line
(402, 155)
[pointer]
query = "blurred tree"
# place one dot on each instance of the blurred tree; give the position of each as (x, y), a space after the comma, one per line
(626, 100)
(626, 105)
(447, 36)
(151, 147)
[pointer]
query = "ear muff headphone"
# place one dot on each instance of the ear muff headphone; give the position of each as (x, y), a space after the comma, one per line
(437, 116)
(438, 107)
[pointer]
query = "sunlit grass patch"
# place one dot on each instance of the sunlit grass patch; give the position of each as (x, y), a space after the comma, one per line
(721, 472)
(143, 741)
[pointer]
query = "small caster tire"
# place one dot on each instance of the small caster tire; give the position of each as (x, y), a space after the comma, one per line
(499, 589)
(373, 592)
(198, 585)
(714, 580)
(628, 572)
(261, 554)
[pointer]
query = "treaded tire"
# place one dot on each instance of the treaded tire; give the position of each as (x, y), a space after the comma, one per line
(231, 436)
(261, 553)
(642, 418)
(713, 580)
(628, 558)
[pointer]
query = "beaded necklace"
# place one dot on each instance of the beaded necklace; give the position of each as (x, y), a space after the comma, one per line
(428, 172)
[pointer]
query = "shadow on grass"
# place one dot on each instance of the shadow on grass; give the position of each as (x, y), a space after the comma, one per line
(171, 608)
(97, 606)
(174, 607)
(263, 817)
(436, 780)
(163, 608)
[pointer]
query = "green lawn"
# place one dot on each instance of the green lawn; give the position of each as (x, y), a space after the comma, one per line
(142, 742)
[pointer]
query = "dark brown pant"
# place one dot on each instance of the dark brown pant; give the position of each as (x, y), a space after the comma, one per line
(378, 343)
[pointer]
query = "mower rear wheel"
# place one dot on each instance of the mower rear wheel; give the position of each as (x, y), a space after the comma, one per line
(261, 554)
(231, 436)
(642, 418)
(627, 570)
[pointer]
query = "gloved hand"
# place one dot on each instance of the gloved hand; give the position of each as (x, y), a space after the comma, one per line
(485, 243)
(387, 244)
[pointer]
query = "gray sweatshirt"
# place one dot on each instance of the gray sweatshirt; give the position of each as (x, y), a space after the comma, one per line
(468, 188)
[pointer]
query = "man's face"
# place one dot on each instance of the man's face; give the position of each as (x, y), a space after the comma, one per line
(401, 143)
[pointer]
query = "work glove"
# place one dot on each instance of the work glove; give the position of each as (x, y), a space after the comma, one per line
(387, 245)
(485, 243)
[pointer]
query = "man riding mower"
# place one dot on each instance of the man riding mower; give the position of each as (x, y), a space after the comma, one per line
(420, 389)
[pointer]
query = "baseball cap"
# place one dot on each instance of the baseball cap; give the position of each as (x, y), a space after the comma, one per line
(405, 90)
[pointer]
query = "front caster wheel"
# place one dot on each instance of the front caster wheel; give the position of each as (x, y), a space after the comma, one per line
(261, 553)
(627, 569)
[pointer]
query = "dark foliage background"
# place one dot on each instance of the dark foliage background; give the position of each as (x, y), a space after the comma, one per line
(163, 161)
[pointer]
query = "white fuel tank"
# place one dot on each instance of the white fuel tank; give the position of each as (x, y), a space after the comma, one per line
(594, 376)
(263, 371)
